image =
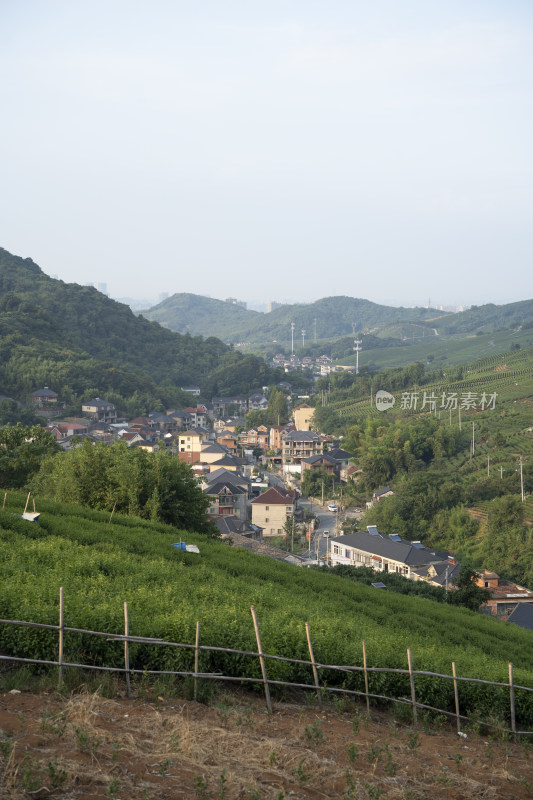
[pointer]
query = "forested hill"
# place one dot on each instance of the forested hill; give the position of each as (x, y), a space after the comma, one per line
(75, 338)
(488, 318)
(334, 317)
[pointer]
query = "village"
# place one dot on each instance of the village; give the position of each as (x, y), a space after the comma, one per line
(253, 477)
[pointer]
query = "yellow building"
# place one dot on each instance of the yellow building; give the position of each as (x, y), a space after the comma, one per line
(303, 417)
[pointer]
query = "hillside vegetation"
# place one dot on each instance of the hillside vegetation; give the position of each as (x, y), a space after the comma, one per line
(334, 317)
(81, 343)
(102, 562)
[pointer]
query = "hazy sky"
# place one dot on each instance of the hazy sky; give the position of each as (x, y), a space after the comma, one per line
(273, 150)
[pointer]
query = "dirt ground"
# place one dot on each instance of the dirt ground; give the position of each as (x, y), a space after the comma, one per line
(87, 747)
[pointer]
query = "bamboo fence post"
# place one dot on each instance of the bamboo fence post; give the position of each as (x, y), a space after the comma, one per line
(196, 653)
(412, 681)
(456, 695)
(4, 504)
(126, 648)
(113, 511)
(315, 671)
(261, 660)
(366, 679)
(511, 697)
(60, 656)
(27, 501)
(33, 505)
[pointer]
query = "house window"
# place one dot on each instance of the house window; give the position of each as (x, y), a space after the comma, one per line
(347, 554)
(267, 508)
(266, 519)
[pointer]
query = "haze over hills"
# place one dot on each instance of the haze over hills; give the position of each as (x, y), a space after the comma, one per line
(334, 316)
(78, 341)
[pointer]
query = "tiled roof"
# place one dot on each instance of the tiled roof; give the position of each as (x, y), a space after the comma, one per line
(275, 496)
(411, 553)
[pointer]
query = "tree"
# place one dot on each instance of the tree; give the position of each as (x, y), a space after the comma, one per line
(156, 486)
(22, 450)
(467, 593)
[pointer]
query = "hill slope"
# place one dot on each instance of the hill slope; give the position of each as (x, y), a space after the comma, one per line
(101, 564)
(60, 334)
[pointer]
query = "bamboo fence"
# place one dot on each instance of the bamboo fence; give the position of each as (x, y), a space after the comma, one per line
(127, 671)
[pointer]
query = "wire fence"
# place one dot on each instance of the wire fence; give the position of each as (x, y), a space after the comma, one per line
(315, 667)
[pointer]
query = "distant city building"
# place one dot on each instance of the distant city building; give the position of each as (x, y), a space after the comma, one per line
(102, 287)
(271, 306)
(234, 302)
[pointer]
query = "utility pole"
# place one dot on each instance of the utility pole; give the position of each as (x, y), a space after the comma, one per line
(446, 584)
(292, 338)
(488, 466)
(522, 481)
(501, 473)
(357, 347)
(303, 338)
(322, 491)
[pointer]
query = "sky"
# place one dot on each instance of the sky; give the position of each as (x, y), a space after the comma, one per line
(279, 151)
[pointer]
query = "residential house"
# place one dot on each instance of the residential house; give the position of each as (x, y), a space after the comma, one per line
(320, 461)
(196, 416)
(228, 424)
(342, 461)
(505, 595)
(380, 494)
(440, 573)
(235, 477)
(257, 402)
(222, 404)
(300, 444)
(272, 509)
(44, 397)
(256, 437)
(235, 528)
(189, 444)
(231, 463)
(276, 432)
(100, 410)
(383, 553)
(227, 499)
(229, 441)
(303, 417)
(212, 452)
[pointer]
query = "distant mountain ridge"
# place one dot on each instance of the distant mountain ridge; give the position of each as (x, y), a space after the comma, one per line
(333, 316)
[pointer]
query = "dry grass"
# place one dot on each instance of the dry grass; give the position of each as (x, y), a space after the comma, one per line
(88, 746)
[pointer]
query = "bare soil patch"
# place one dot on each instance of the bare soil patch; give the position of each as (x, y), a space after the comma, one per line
(87, 747)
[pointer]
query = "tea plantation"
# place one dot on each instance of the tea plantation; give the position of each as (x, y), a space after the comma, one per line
(101, 564)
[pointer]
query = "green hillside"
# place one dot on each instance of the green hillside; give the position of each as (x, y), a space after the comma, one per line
(334, 317)
(77, 341)
(101, 564)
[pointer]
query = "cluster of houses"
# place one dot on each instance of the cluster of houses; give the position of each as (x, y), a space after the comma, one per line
(392, 554)
(322, 365)
(224, 456)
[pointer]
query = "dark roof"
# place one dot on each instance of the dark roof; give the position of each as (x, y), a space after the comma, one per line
(411, 553)
(227, 461)
(379, 492)
(523, 616)
(302, 436)
(215, 448)
(318, 458)
(220, 486)
(275, 496)
(231, 524)
(226, 475)
(46, 392)
(339, 454)
(440, 568)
